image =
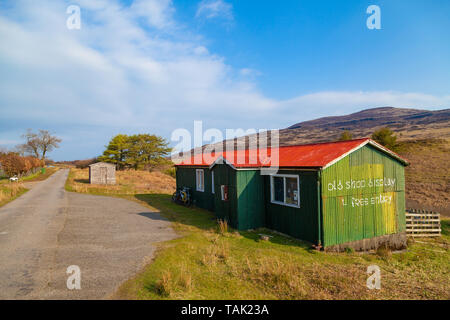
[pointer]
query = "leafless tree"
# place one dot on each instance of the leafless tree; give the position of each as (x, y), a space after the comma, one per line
(38, 144)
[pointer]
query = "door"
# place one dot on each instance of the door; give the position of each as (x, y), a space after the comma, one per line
(103, 175)
(224, 193)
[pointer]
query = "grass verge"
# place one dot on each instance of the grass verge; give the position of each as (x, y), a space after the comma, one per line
(10, 191)
(39, 176)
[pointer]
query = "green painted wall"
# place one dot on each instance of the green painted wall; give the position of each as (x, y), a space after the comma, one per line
(301, 223)
(226, 210)
(363, 196)
(250, 199)
(186, 178)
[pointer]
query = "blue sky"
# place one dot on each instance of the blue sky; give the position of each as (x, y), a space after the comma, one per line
(155, 66)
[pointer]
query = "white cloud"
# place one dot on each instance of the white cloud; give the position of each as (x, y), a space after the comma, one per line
(327, 103)
(117, 75)
(158, 13)
(211, 9)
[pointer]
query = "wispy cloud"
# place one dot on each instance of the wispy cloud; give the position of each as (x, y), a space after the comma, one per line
(211, 9)
(157, 13)
(327, 103)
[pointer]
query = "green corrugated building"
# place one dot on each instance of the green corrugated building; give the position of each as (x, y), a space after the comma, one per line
(334, 195)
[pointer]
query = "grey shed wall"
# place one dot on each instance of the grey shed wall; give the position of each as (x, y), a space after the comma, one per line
(102, 173)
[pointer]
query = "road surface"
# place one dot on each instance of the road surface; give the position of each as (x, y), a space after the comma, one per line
(47, 230)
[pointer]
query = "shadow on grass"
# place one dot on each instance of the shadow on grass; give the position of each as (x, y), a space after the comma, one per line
(445, 227)
(86, 181)
(152, 216)
(196, 217)
(206, 220)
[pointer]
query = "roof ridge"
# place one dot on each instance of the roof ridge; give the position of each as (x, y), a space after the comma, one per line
(298, 145)
(326, 142)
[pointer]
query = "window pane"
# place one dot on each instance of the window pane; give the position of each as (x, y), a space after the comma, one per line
(202, 183)
(200, 180)
(278, 189)
(291, 191)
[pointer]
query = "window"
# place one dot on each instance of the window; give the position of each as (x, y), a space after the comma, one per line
(285, 190)
(212, 182)
(200, 180)
(224, 193)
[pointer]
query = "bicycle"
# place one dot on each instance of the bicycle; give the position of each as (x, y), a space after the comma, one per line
(182, 196)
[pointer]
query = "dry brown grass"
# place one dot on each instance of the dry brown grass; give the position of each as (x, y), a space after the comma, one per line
(428, 176)
(165, 285)
(222, 226)
(173, 287)
(9, 191)
(127, 182)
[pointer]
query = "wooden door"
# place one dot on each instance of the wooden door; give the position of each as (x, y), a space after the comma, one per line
(103, 175)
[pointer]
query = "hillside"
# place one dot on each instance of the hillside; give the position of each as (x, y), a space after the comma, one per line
(408, 123)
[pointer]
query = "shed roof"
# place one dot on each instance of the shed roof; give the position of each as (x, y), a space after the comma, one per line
(102, 163)
(316, 155)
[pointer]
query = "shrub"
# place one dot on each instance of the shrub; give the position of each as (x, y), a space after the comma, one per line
(384, 251)
(346, 135)
(349, 250)
(12, 164)
(82, 164)
(170, 172)
(385, 137)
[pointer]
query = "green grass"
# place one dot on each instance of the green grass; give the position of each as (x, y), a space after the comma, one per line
(204, 264)
(39, 176)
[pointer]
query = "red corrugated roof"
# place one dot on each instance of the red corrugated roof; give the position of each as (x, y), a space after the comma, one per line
(315, 155)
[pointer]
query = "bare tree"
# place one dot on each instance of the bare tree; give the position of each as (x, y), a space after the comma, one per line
(38, 144)
(31, 146)
(48, 142)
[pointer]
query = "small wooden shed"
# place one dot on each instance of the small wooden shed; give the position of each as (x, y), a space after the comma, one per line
(336, 195)
(102, 173)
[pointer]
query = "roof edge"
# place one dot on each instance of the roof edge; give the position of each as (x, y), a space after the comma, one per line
(374, 144)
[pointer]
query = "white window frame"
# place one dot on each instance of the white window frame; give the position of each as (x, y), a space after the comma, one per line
(212, 182)
(272, 191)
(200, 186)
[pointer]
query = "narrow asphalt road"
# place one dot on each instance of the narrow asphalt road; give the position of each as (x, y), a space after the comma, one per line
(47, 230)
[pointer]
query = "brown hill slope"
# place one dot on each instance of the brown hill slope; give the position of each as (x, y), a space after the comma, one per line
(408, 123)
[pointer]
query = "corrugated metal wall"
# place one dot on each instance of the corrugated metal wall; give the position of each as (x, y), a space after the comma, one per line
(250, 203)
(186, 178)
(363, 196)
(300, 222)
